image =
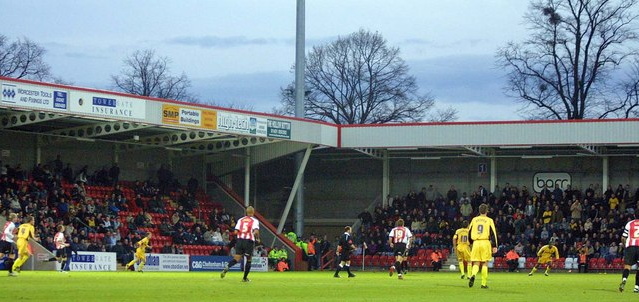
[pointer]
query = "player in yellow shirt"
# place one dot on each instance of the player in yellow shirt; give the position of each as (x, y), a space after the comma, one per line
(545, 255)
(480, 229)
(26, 231)
(140, 252)
(461, 246)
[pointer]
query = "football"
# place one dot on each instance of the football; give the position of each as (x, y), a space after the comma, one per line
(452, 267)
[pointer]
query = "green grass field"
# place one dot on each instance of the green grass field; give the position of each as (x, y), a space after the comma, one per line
(308, 286)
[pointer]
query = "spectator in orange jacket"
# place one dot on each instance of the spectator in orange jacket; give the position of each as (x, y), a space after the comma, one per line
(282, 266)
(436, 257)
(512, 259)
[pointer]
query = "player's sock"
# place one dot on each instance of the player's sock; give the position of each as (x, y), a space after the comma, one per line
(637, 279)
(469, 269)
(405, 267)
(475, 270)
(484, 275)
(247, 269)
(339, 268)
(547, 270)
(462, 268)
(130, 263)
(9, 263)
(141, 266)
(348, 270)
(534, 269)
(398, 266)
(231, 263)
(19, 262)
(625, 273)
(63, 265)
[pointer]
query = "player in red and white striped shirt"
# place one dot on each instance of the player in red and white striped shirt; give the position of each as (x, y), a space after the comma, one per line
(399, 238)
(630, 238)
(247, 232)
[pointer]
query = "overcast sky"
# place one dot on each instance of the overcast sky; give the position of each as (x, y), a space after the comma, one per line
(237, 51)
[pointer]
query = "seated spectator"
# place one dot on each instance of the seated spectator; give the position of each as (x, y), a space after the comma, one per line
(156, 205)
(119, 251)
(282, 266)
(165, 228)
(217, 238)
(167, 249)
(110, 240)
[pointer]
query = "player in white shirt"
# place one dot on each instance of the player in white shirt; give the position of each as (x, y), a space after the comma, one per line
(399, 239)
(62, 249)
(7, 243)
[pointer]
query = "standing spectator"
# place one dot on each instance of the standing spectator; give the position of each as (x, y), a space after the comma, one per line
(192, 185)
(575, 210)
(114, 174)
(452, 193)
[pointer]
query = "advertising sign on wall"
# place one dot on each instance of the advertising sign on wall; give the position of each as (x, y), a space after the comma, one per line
(166, 263)
(279, 129)
(93, 261)
(244, 124)
(550, 179)
(35, 97)
(186, 116)
(218, 263)
(109, 106)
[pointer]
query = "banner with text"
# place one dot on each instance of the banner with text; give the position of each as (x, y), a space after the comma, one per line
(93, 261)
(218, 263)
(279, 129)
(35, 97)
(166, 263)
(187, 116)
(243, 124)
(108, 106)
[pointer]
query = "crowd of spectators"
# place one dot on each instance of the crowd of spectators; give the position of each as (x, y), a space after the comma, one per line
(589, 220)
(55, 194)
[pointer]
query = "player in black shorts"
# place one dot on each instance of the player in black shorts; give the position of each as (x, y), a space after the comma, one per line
(344, 250)
(8, 253)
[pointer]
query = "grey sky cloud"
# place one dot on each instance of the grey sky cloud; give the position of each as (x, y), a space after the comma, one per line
(223, 42)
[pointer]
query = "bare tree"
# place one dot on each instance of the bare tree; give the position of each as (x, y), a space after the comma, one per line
(23, 59)
(628, 101)
(145, 74)
(562, 70)
(358, 79)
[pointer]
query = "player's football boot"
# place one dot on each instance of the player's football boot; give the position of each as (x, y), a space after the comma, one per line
(546, 274)
(400, 277)
(246, 280)
(223, 274)
(336, 276)
(622, 285)
(391, 270)
(484, 286)
(471, 281)
(351, 275)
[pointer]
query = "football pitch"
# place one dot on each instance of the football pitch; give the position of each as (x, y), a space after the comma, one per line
(309, 286)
